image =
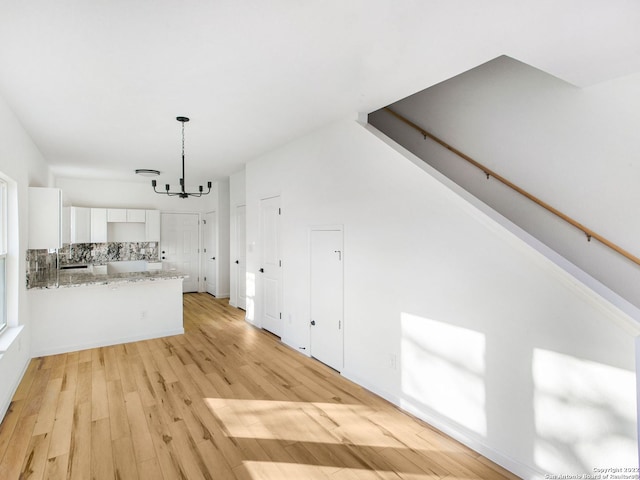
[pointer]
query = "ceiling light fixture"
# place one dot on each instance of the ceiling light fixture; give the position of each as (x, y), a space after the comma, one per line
(182, 193)
(147, 172)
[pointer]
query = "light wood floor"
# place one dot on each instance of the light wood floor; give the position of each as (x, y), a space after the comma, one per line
(222, 401)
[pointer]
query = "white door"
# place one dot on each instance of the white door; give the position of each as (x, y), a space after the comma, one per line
(241, 260)
(179, 247)
(209, 250)
(327, 321)
(270, 269)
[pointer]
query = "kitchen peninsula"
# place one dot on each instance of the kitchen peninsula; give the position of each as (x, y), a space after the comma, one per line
(85, 310)
(94, 276)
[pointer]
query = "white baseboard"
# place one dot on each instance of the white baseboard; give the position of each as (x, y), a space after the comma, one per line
(6, 402)
(106, 343)
(518, 468)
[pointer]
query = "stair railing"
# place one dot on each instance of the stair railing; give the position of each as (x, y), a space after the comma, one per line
(490, 173)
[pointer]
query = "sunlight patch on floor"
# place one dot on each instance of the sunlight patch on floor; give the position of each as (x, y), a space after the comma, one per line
(316, 422)
(296, 471)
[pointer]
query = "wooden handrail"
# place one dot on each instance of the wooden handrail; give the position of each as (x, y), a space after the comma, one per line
(490, 173)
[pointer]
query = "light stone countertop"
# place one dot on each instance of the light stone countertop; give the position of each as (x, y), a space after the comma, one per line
(68, 279)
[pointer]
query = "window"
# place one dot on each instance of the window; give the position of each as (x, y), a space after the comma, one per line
(3, 254)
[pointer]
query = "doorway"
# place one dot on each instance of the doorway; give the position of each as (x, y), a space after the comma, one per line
(179, 247)
(209, 241)
(270, 269)
(327, 295)
(241, 257)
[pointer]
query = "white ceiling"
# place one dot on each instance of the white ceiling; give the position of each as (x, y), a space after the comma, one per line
(98, 84)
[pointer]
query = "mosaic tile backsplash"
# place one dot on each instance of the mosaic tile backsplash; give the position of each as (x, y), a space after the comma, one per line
(42, 265)
(99, 253)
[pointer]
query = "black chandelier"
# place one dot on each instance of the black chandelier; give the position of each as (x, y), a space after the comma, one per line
(182, 193)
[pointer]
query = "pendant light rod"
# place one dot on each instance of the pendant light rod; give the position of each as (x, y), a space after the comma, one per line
(182, 193)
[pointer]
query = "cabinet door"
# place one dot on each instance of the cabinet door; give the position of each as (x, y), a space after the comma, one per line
(66, 225)
(98, 225)
(152, 226)
(116, 215)
(80, 225)
(45, 218)
(135, 215)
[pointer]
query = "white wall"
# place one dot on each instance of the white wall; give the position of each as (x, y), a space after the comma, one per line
(23, 164)
(237, 197)
(491, 341)
(576, 149)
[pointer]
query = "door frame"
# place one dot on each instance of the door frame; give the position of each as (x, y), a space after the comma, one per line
(202, 246)
(234, 289)
(325, 228)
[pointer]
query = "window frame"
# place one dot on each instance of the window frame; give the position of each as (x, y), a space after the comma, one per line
(3, 252)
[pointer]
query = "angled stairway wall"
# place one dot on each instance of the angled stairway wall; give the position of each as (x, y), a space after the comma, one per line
(448, 312)
(573, 148)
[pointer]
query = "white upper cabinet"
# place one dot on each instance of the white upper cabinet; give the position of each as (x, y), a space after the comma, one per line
(116, 215)
(98, 225)
(80, 225)
(45, 218)
(136, 215)
(53, 226)
(66, 225)
(152, 225)
(126, 215)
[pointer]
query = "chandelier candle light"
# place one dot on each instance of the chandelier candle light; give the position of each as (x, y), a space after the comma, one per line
(182, 193)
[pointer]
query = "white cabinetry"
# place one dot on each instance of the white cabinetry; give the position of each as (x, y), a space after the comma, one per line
(98, 225)
(152, 225)
(80, 225)
(116, 215)
(136, 215)
(126, 215)
(66, 225)
(45, 218)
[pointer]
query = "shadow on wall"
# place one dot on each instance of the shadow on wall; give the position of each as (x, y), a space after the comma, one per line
(583, 412)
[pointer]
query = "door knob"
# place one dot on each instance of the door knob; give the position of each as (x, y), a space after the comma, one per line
(313, 322)
(163, 251)
(237, 262)
(213, 258)
(261, 270)
(162, 258)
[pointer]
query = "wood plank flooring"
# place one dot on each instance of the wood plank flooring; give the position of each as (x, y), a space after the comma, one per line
(222, 401)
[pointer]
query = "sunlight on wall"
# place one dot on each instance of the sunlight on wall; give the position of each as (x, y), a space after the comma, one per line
(251, 295)
(585, 414)
(443, 369)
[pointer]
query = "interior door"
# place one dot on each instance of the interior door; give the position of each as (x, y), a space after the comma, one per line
(241, 260)
(209, 249)
(270, 270)
(327, 297)
(179, 247)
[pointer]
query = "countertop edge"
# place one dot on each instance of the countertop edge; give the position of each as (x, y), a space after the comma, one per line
(114, 279)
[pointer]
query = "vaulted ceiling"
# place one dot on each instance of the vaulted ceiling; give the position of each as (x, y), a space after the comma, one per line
(98, 84)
